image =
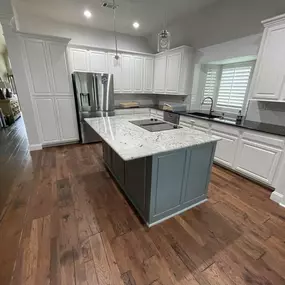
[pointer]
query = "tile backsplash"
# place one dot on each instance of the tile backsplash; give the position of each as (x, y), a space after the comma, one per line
(266, 112)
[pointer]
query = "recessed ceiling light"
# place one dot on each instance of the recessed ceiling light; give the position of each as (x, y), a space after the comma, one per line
(87, 14)
(136, 25)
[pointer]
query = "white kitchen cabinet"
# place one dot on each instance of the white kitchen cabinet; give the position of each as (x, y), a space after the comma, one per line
(115, 68)
(159, 73)
(138, 62)
(173, 67)
(269, 74)
(257, 160)
(98, 61)
(80, 59)
(127, 73)
(148, 74)
(47, 120)
(36, 59)
(173, 71)
(66, 114)
(59, 69)
(227, 146)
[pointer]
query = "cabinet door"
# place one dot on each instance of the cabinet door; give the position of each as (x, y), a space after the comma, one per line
(37, 66)
(148, 74)
(257, 160)
(67, 118)
(226, 148)
(79, 59)
(98, 61)
(118, 168)
(159, 74)
(107, 154)
(173, 72)
(198, 171)
(138, 74)
(127, 70)
(59, 69)
(47, 119)
(115, 68)
(270, 73)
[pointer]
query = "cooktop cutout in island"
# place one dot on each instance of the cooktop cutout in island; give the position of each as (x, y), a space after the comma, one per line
(155, 125)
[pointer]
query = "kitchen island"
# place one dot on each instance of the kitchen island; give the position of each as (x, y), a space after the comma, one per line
(162, 173)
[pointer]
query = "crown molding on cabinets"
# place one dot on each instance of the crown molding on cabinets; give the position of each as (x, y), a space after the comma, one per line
(44, 37)
(109, 50)
(274, 21)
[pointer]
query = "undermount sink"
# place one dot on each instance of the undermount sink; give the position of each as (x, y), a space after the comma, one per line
(205, 115)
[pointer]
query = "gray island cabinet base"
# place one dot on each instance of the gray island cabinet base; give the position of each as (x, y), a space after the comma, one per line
(165, 184)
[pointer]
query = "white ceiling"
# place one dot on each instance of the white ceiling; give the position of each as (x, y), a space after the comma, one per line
(149, 13)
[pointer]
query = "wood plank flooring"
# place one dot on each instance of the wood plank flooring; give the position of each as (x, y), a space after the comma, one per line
(67, 223)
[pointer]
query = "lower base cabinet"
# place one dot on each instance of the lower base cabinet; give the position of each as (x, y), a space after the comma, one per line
(162, 185)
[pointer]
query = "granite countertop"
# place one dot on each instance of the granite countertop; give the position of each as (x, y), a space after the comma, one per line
(131, 142)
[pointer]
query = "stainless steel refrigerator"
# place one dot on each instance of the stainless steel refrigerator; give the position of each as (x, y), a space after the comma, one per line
(94, 97)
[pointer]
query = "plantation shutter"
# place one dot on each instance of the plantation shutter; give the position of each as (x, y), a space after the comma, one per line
(233, 86)
(211, 83)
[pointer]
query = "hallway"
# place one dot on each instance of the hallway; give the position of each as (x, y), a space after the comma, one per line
(14, 155)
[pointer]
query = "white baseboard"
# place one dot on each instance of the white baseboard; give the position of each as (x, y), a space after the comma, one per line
(33, 147)
(276, 197)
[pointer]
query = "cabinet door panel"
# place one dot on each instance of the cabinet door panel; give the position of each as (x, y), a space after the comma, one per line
(98, 62)
(168, 191)
(127, 70)
(200, 162)
(270, 76)
(148, 74)
(79, 59)
(67, 119)
(36, 56)
(115, 68)
(47, 119)
(138, 74)
(61, 77)
(226, 148)
(257, 161)
(118, 167)
(159, 74)
(173, 72)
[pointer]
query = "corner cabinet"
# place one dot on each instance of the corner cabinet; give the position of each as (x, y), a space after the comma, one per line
(269, 74)
(159, 73)
(50, 88)
(148, 74)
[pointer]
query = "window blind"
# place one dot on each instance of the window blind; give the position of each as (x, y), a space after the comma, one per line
(233, 86)
(210, 83)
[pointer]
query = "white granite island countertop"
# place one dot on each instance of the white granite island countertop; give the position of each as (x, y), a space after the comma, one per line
(131, 142)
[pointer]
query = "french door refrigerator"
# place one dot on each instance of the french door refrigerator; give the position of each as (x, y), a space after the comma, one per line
(94, 97)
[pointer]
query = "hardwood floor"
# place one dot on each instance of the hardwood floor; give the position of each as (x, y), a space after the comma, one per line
(66, 223)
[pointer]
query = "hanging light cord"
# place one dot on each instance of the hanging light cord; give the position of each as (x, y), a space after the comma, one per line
(115, 32)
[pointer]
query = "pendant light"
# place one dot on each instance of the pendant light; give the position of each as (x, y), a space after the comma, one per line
(163, 38)
(115, 32)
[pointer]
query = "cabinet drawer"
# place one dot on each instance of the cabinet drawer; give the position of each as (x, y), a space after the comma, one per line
(258, 161)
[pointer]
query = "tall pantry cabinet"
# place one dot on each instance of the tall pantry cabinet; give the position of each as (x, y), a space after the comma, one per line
(50, 88)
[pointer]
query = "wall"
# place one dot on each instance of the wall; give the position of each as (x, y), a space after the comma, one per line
(237, 50)
(266, 112)
(83, 35)
(3, 56)
(222, 21)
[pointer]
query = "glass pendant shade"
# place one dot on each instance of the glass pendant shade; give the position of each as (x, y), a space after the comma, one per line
(163, 41)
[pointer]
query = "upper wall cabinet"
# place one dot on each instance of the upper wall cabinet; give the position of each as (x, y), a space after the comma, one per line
(37, 66)
(173, 71)
(269, 74)
(98, 61)
(148, 74)
(115, 67)
(127, 73)
(80, 59)
(138, 74)
(59, 69)
(159, 73)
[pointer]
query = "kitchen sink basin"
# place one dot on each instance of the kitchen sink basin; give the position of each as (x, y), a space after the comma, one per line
(204, 115)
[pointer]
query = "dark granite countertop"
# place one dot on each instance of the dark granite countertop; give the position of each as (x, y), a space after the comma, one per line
(245, 124)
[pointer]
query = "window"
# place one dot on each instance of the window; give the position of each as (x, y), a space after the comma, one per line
(228, 85)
